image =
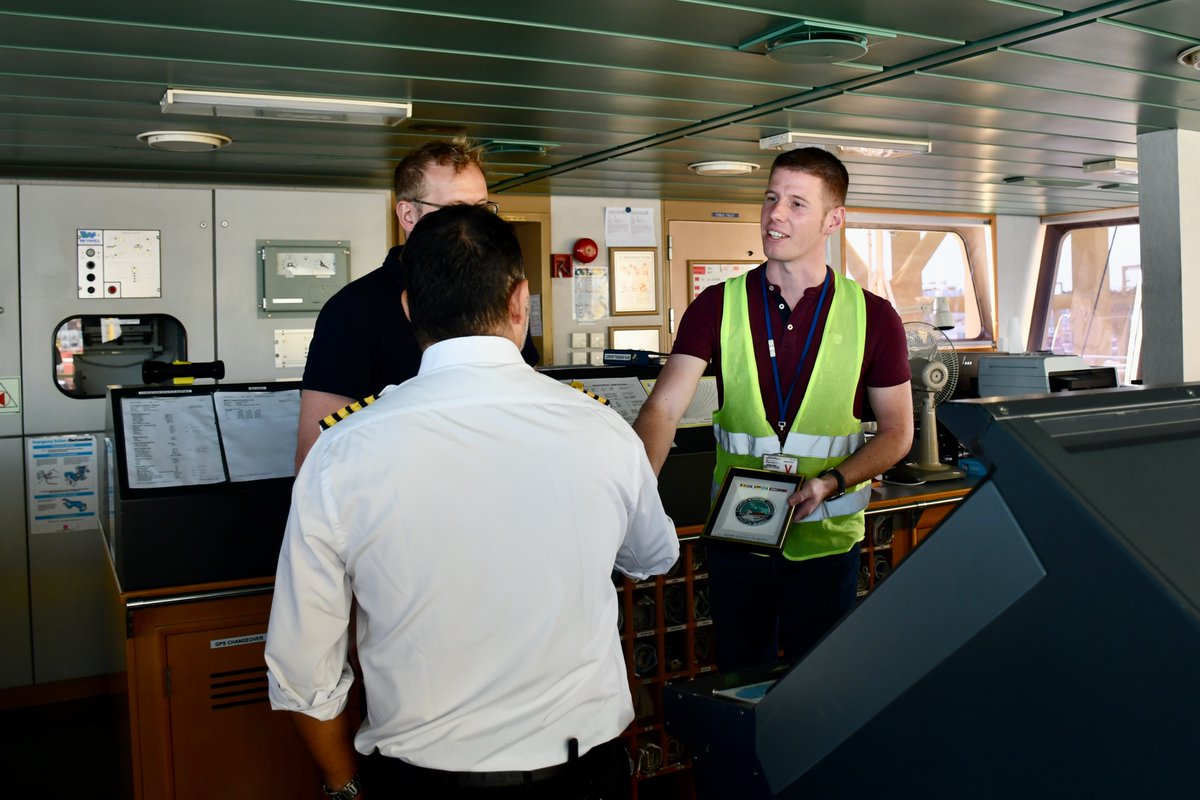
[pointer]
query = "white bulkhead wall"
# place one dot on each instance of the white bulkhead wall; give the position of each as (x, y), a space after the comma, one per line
(209, 279)
(16, 656)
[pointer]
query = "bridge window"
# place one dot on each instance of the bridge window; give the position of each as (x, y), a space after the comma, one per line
(927, 266)
(1090, 294)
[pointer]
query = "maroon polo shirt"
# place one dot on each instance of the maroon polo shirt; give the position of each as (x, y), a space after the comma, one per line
(885, 359)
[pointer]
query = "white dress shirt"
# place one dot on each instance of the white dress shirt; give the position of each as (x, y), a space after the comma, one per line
(476, 513)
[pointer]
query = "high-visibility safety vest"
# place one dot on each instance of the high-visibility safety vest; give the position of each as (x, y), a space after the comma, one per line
(825, 431)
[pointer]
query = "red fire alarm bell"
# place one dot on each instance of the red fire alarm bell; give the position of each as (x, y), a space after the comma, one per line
(585, 251)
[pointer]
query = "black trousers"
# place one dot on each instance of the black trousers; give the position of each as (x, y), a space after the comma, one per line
(761, 604)
(602, 773)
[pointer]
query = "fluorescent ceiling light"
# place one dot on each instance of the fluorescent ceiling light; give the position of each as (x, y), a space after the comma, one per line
(184, 141)
(1113, 166)
(873, 146)
(1062, 183)
(723, 167)
(496, 146)
(284, 106)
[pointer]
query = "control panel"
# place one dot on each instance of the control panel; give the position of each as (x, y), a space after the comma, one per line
(119, 263)
(301, 275)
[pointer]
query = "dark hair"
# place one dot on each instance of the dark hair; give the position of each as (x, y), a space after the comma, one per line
(462, 263)
(409, 178)
(821, 164)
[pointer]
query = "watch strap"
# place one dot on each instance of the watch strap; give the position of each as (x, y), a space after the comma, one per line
(841, 482)
(347, 792)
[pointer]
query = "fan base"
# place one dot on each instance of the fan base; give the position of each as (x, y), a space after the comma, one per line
(920, 473)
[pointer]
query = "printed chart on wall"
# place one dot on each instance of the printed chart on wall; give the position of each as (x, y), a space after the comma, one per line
(62, 486)
(627, 226)
(708, 273)
(591, 293)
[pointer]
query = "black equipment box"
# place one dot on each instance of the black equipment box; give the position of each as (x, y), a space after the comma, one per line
(199, 481)
(1042, 641)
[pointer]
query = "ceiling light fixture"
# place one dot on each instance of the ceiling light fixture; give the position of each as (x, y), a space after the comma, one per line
(1058, 183)
(286, 107)
(495, 146)
(437, 130)
(184, 141)
(817, 47)
(872, 146)
(1113, 166)
(1190, 57)
(723, 167)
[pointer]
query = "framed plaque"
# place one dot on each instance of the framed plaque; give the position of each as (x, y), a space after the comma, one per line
(634, 282)
(633, 337)
(752, 508)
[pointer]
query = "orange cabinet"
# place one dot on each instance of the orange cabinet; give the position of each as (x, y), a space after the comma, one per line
(200, 723)
(897, 522)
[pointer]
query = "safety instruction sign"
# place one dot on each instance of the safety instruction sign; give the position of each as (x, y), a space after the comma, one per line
(10, 395)
(62, 483)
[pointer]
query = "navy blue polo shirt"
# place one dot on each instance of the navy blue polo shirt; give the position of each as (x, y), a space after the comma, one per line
(363, 341)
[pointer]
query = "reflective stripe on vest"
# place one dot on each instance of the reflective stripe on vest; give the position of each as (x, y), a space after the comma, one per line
(825, 431)
(743, 444)
(805, 445)
(849, 503)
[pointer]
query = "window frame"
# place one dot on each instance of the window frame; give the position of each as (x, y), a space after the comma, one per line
(1052, 241)
(982, 276)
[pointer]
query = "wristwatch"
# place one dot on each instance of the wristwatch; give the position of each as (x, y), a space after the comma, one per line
(841, 483)
(347, 792)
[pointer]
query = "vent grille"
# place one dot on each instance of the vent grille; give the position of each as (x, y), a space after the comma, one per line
(236, 688)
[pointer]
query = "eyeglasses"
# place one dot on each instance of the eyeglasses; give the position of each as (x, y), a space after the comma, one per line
(488, 204)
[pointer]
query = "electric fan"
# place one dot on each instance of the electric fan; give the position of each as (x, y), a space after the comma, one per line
(934, 368)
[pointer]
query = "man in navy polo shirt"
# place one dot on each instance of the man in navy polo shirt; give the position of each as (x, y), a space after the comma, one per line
(362, 341)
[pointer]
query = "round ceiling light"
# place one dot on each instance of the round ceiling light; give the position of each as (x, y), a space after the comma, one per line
(723, 167)
(1190, 57)
(184, 141)
(817, 47)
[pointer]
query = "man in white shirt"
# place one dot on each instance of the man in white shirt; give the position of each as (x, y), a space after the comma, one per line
(475, 513)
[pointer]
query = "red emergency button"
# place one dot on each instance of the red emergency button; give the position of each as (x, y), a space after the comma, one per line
(112, 290)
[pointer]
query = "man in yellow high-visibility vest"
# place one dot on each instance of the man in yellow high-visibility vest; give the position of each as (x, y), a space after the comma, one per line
(797, 348)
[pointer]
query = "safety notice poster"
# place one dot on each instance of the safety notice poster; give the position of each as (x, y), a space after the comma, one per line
(62, 486)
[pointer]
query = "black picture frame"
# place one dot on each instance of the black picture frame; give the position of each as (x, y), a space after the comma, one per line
(752, 508)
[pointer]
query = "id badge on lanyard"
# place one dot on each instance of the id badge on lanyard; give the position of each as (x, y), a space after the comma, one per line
(778, 462)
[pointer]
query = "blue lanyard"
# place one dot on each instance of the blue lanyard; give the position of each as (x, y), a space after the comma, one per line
(785, 402)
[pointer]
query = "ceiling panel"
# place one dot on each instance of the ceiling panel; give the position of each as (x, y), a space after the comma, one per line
(1069, 113)
(1037, 71)
(625, 94)
(1152, 51)
(972, 20)
(1175, 18)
